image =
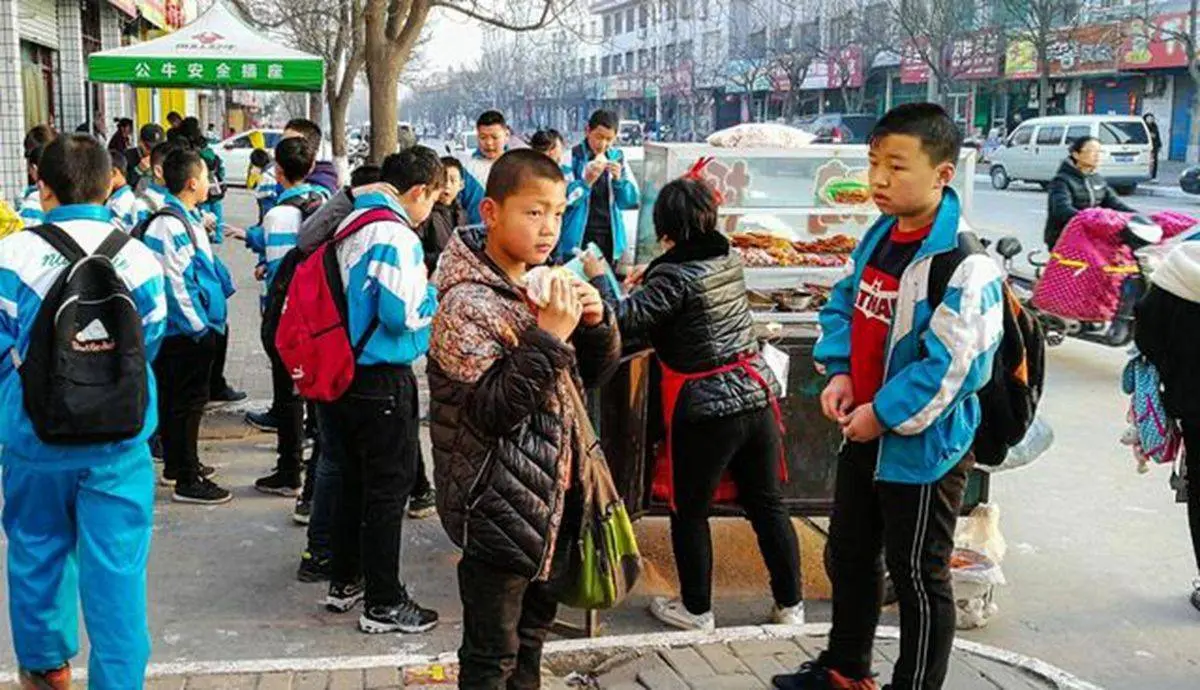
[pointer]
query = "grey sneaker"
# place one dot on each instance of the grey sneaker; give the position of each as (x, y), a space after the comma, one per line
(343, 597)
(406, 617)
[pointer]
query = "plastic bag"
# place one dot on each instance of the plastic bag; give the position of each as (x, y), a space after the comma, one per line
(975, 566)
(1037, 441)
(761, 135)
(980, 532)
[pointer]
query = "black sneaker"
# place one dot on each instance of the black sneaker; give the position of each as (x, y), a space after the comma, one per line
(313, 568)
(279, 484)
(228, 395)
(423, 506)
(156, 450)
(813, 675)
(206, 471)
(263, 421)
(406, 617)
(303, 512)
(342, 598)
(202, 492)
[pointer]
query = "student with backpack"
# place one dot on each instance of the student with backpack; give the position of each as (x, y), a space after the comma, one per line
(122, 201)
(904, 373)
(78, 479)
(273, 241)
(369, 284)
(196, 315)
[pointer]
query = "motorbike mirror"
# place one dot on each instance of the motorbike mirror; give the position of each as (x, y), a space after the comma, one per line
(1144, 230)
(1008, 247)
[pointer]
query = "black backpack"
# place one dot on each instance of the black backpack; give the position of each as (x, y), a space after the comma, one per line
(139, 230)
(84, 374)
(1009, 400)
(277, 292)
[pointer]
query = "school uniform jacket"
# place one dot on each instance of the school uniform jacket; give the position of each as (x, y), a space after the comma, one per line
(195, 287)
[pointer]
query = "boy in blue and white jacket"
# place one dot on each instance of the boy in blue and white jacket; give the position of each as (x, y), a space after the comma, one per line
(75, 510)
(196, 316)
(903, 377)
(390, 305)
(600, 187)
(272, 241)
(492, 132)
(122, 201)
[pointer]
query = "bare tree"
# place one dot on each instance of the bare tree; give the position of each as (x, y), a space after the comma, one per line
(1041, 24)
(949, 36)
(858, 33)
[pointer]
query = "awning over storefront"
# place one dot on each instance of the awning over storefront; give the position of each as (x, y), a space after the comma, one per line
(216, 51)
(129, 7)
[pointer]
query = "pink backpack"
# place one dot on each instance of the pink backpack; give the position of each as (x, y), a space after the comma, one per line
(313, 338)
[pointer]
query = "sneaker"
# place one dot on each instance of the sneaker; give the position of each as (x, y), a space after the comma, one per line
(206, 471)
(302, 512)
(156, 451)
(313, 568)
(406, 617)
(673, 613)
(202, 492)
(228, 395)
(423, 506)
(263, 421)
(1195, 598)
(279, 484)
(812, 675)
(788, 615)
(342, 598)
(56, 679)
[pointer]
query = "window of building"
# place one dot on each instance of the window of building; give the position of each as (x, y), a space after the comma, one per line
(643, 58)
(629, 61)
(654, 57)
(607, 25)
(669, 12)
(592, 65)
(37, 80)
(604, 66)
(618, 24)
(685, 51)
(756, 44)
(643, 16)
(809, 37)
(841, 31)
(629, 19)
(669, 56)
(685, 9)
(702, 9)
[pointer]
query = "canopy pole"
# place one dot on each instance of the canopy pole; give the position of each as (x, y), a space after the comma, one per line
(228, 113)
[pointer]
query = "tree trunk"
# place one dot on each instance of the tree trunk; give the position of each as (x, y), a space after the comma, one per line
(383, 78)
(337, 131)
(316, 106)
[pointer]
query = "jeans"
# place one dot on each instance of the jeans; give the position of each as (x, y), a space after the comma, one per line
(912, 525)
(182, 371)
(327, 487)
(288, 409)
(747, 445)
(375, 426)
(506, 618)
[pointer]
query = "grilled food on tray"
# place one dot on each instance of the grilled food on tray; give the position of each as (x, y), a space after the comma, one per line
(836, 244)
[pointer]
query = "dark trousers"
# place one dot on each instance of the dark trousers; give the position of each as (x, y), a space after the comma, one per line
(506, 618)
(217, 383)
(289, 412)
(327, 486)
(912, 525)
(375, 427)
(1191, 440)
(182, 371)
(748, 446)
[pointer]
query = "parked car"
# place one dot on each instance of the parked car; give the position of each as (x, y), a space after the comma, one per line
(1036, 148)
(630, 133)
(838, 128)
(235, 152)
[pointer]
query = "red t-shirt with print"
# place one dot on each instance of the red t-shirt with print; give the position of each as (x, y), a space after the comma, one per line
(874, 307)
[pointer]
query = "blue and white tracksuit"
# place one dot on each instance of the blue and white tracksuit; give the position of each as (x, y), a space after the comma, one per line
(622, 196)
(124, 205)
(383, 269)
(29, 207)
(476, 169)
(196, 285)
(150, 200)
(78, 518)
(279, 231)
(937, 359)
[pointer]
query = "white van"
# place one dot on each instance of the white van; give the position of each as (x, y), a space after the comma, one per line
(1035, 149)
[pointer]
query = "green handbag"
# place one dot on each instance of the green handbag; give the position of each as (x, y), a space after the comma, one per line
(604, 562)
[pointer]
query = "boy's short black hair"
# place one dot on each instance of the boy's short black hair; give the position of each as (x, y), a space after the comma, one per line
(364, 175)
(34, 155)
(124, 122)
(517, 167)
(940, 138)
(77, 169)
(180, 166)
(309, 130)
(295, 158)
(119, 163)
(173, 116)
(603, 118)
(490, 117)
(259, 158)
(152, 134)
(411, 167)
(452, 162)
(544, 139)
(685, 210)
(158, 154)
(39, 135)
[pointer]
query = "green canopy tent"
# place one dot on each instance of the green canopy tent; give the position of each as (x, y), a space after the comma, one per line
(216, 51)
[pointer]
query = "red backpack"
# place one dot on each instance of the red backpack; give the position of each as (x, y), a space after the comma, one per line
(313, 337)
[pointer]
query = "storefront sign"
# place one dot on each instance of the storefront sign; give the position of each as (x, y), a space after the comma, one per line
(844, 70)
(206, 72)
(1086, 50)
(1155, 44)
(972, 57)
(154, 11)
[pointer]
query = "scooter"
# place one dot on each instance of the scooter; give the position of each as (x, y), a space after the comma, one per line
(1139, 232)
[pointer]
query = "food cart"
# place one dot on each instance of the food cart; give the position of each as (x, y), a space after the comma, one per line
(795, 215)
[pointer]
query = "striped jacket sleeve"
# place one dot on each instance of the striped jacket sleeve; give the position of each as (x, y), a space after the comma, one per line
(406, 298)
(170, 241)
(149, 295)
(832, 352)
(959, 346)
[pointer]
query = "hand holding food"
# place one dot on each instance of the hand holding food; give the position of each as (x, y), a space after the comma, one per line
(562, 310)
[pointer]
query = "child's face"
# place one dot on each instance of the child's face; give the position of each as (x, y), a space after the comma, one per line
(418, 202)
(526, 224)
(600, 139)
(198, 184)
(492, 140)
(904, 181)
(454, 185)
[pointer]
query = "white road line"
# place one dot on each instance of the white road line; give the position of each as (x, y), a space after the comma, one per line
(1048, 672)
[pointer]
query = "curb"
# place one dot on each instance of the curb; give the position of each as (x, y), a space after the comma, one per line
(1051, 674)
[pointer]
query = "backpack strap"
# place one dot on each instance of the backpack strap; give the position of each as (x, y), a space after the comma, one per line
(59, 239)
(113, 244)
(374, 215)
(946, 263)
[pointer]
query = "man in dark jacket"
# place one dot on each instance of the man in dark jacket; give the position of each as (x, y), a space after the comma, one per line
(447, 215)
(1078, 186)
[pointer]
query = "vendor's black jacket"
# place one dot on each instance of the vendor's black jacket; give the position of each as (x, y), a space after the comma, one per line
(692, 308)
(1168, 334)
(437, 230)
(1072, 191)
